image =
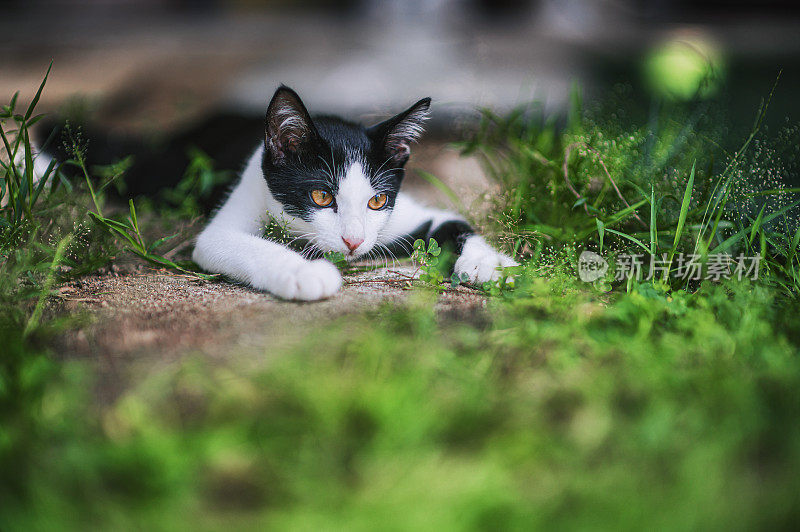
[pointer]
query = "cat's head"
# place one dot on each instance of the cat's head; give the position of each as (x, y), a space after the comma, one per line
(339, 177)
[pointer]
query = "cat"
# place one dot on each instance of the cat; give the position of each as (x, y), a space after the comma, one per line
(336, 185)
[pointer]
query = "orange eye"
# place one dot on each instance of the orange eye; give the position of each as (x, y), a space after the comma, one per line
(377, 201)
(321, 198)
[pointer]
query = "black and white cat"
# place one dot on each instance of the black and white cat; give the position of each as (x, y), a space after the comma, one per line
(336, 184)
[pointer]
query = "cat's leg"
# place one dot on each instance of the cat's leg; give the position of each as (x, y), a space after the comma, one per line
(411, 220)
(231, 244)
(266, 265)
(480, 261)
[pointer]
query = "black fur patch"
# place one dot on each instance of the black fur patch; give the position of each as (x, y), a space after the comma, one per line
(450, 236)
(323, 160)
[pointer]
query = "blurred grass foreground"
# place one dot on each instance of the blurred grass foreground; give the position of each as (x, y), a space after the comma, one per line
(624, 403)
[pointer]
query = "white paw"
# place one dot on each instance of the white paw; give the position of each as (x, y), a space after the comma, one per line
(480, 261)
(308, 281)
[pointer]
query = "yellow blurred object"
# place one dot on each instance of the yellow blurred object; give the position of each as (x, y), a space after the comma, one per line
(685, 67)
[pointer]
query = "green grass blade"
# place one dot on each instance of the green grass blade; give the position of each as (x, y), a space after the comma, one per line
(134, 220)
(757, 224)
(13, 104)
(653, 233)
(624, 213)
(38, 95)
(441, 186)
(42, 182)
(113, 226)
(58, 256)
(629, 237)
(795, 242)
(158, 243)
(600, 232)
(687, 198)
(29, 171)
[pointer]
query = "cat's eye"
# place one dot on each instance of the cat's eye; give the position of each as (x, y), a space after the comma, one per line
(377, 201)
(321, 198)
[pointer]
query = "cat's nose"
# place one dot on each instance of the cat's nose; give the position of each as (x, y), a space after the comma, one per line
(352, 243)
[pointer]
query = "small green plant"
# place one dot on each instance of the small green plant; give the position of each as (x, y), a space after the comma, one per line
(338, 259)
(276, 229)
(130, 232)
(432, 260)
(127, 229)
(428, 258)
(457, 279)
(111, 174)
(198, 182)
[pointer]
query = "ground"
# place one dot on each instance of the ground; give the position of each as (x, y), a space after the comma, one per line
(141, 320)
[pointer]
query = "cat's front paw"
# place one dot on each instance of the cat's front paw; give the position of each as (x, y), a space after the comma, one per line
(308, 281)
(480, 261)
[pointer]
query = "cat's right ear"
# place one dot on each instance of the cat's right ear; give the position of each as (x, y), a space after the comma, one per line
(397, 134)
(289, 127)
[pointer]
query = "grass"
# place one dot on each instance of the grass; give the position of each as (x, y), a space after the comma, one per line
(611, 405)
(664, 187)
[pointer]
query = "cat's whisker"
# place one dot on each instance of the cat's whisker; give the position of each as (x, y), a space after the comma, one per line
(377, 255)
(328, 170)
(305, 236)
(378, 171)
(312, 247)
(385, 259)
(403, 241)
(395, 262)
(332, 168)
(382, 179)
(386, 253)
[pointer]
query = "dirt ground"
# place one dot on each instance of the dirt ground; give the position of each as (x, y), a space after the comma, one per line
(138, 322)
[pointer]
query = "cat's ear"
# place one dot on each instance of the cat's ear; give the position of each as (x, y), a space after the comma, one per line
(289, 127)
(398, 133)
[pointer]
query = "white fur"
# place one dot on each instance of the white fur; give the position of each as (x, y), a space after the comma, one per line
(41, 162)
(480, 261)
(410, 129)
(352, 219)
(232, 244)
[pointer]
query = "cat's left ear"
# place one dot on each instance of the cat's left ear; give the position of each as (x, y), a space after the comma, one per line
(289, 127)
(398, 133)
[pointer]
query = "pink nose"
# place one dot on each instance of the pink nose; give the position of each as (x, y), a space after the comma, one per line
(352, 243)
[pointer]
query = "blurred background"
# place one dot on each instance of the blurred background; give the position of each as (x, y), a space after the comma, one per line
(153, 64)
(158, 77)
